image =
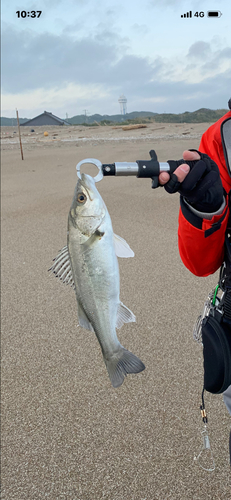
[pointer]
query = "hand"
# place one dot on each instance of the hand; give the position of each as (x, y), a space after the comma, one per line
(182, 170)
(200, 186)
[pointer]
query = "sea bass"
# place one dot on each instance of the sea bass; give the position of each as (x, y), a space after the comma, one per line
(89, 264)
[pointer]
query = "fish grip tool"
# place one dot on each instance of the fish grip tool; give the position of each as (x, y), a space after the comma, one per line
(140, 168)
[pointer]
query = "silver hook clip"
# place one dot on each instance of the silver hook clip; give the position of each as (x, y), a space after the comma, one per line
(205, 458)
(95, 162)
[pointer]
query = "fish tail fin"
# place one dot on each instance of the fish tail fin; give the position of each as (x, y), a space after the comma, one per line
(122, 363)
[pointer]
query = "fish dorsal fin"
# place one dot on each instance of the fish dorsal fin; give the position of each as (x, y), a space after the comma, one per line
(62, 267)
(83, 320)
(122, 248)
(124, 315)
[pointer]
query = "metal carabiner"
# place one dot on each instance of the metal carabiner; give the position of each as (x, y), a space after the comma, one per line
(95, 162)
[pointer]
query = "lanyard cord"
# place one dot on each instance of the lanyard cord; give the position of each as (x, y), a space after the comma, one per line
(202, 408)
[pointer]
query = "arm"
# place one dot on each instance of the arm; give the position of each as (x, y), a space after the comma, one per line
(201, 235)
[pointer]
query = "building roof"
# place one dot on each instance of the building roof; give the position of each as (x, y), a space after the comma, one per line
(46, 118)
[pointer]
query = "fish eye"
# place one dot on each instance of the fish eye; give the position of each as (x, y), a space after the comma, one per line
(81, 198)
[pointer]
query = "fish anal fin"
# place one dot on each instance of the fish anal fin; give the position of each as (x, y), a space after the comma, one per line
(124, 315)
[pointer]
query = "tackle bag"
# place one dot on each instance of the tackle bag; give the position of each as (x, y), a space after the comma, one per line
(216, 339)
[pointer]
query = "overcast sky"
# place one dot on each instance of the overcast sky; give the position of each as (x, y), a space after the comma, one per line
(83, 54)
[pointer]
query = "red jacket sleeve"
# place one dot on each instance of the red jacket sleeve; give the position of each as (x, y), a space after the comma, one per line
(201, 241)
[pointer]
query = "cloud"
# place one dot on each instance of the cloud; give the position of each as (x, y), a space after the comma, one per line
(199, 50)
(164, 3)
(158, 96)
(30, 60)
(49, 61)
(62, 73)
(141, 29)
(70, 96)
(204, 62)
(173, 4)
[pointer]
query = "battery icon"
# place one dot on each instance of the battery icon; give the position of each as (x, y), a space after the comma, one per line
(214, 13)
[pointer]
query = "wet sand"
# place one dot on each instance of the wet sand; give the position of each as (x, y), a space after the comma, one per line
(66, 433)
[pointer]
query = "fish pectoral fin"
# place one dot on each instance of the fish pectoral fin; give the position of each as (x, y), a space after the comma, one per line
(124, 315)
(83, 320)
(122, 248)
(62, 267)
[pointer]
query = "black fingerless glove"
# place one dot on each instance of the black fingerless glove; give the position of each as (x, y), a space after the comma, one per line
(202, 187)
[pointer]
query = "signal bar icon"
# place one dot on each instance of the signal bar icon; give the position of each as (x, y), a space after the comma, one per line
(188, 14)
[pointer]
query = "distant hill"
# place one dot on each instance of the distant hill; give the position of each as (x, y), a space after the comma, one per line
(89, 120)
(8, 122)
(81, 119)
(200, 116)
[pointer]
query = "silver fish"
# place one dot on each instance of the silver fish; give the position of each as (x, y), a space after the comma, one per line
(89, 264)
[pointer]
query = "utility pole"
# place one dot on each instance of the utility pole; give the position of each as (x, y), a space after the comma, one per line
(85, 112)
(19, 133)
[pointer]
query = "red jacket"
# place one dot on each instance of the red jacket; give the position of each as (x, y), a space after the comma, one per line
(201, 241)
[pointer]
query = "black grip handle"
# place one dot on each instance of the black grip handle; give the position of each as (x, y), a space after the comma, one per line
(148, 168)
(151, 168)
(175, 164)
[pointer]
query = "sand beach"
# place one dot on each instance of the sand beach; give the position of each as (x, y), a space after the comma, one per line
(66, 433)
